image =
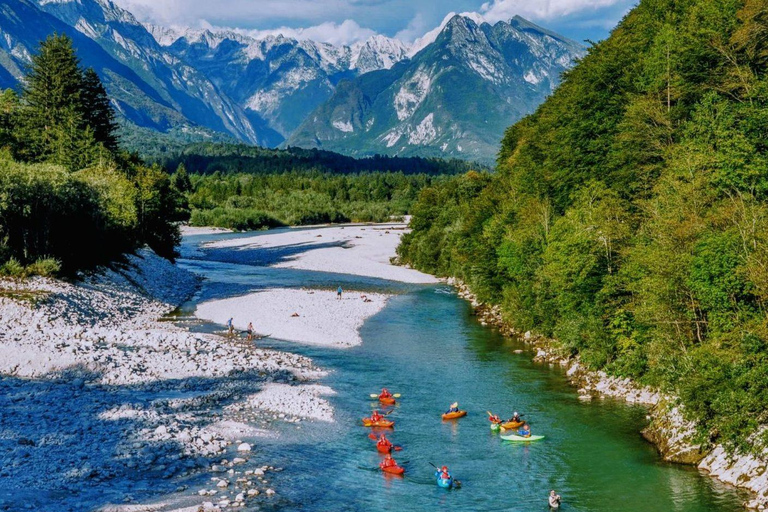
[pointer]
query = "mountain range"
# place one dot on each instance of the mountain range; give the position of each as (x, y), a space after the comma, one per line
(452, 93)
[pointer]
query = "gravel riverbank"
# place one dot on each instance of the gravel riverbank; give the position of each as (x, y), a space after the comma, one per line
(107, 408)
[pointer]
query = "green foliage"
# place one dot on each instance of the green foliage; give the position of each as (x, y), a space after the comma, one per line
(44, 267)
(629, 214)
(257, 201)
(69, 199)
(13, 269)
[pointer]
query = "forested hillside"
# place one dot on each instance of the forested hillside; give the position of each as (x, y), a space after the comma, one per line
(629, 216)
(209, 157)
(69, 198)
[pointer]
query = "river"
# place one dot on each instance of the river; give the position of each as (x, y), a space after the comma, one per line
(427, 345)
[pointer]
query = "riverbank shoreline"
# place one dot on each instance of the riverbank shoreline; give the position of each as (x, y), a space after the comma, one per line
(669, 431)
(113, 405)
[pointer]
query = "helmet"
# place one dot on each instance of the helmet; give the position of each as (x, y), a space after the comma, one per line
(515, 413)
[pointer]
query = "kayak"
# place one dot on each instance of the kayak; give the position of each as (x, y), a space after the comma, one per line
(393, 470)
(387, 400)
(381, 423)
(454, 415)
(495, 427)
(519, 439)
(445, 483)
(383, 448)
(512, 424)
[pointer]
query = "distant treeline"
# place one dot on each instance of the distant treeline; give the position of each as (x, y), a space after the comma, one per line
(256, 201)
(69, 197)
(210, 157)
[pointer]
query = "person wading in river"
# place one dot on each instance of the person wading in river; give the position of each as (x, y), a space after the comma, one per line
(554, 499)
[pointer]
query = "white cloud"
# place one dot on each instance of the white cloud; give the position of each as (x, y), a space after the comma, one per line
(498, 10)
(189, 12)
(415, 29)
(346, 32)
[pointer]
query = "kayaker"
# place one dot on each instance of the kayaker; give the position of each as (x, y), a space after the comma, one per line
(554, 499)
(443, 473)
(376, 416)
(454, 408)
(494, 418)
(385, 393)
(384, 442)
(524, 431)
(515, 418)
(388, 462)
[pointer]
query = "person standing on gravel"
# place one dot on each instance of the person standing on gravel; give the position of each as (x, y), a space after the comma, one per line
(231, 326)
(250, 331)
(339, 291)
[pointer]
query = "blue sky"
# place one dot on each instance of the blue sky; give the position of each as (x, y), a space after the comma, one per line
(344, 21)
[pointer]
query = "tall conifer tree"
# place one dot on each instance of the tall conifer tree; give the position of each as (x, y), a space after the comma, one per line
(97, 110)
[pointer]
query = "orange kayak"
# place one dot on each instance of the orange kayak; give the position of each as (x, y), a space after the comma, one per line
(393, 470)
(512, 424)
(387, 400)
(383, 448)
(381, 423)
(454, 415)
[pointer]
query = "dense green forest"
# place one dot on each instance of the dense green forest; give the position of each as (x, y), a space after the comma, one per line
(246, 201)
(628, 218)
(69, 197)
(209, 157)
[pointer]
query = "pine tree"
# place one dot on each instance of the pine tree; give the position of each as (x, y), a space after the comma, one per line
(54, 83)
(53, 105)
(180, 179)
(97, 110)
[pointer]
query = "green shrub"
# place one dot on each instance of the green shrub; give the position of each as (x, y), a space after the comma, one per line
(44, 267)
(13, 269)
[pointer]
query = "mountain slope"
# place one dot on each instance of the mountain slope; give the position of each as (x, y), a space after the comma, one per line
(453, 98)
(278, 80)
(149, 87)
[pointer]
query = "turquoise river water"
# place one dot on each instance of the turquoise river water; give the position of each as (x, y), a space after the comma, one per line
(426, 345)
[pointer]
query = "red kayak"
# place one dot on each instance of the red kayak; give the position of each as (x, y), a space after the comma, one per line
(381, 423)
(393, 470)
(383, 448)
(387, 400)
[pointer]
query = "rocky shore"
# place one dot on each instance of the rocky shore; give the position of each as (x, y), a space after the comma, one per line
(668, 430)
(105, 407)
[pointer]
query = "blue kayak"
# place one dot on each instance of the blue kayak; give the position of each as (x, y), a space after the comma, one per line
(445, 483)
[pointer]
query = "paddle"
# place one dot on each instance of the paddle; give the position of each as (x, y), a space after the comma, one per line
(374, 395)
